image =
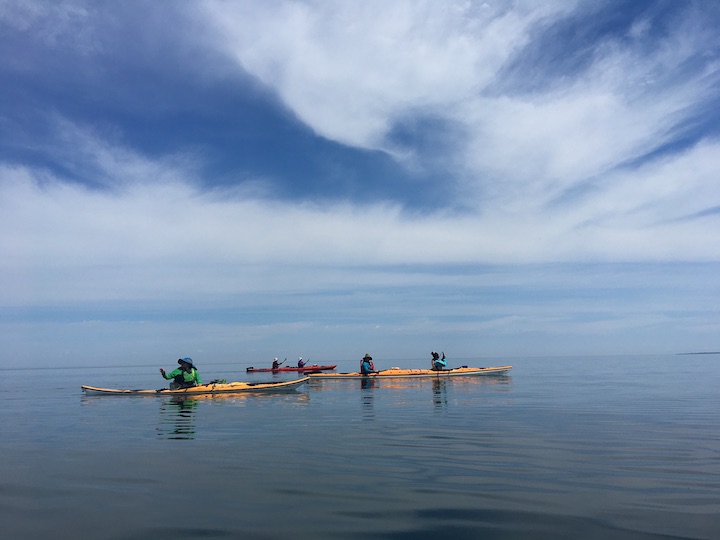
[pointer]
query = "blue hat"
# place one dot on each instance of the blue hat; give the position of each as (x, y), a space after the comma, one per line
(186, 361)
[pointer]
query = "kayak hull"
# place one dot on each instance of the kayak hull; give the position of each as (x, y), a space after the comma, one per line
(397, 373)
(213, 388)
(280, 369)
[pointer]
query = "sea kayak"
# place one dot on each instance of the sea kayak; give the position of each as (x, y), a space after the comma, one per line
(212, 388)
(304, 368)
(397, 373)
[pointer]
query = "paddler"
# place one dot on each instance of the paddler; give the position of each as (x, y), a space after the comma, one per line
(301, 363)
(366, 365)
(183, 377)
(438, 364)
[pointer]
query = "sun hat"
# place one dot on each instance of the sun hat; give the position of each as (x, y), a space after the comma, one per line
(186, 361)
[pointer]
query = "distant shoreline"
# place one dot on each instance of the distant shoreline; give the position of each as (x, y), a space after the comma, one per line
(688, 353)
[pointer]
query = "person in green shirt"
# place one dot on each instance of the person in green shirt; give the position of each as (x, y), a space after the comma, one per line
(183, 377)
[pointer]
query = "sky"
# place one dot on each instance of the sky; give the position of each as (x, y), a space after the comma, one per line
(235, 181)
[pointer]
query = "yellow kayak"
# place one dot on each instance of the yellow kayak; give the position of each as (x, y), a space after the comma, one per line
(396, 373)
(212, 388)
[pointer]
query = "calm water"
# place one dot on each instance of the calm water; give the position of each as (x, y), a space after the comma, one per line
(562, 448)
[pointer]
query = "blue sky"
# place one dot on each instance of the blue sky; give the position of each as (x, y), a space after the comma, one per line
(242, 180)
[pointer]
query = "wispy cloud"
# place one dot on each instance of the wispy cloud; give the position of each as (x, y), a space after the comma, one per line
(351, 69)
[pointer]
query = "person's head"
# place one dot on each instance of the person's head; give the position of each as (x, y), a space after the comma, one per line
(186, 363)
(367, 357)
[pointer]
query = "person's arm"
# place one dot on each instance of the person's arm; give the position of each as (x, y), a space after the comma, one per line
(198, 380)
(174, 373)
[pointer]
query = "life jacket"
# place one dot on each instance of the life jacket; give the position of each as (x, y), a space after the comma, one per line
(186, 378)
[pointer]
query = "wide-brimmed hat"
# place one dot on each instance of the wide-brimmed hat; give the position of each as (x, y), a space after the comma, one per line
(367, 357)
(186, 361)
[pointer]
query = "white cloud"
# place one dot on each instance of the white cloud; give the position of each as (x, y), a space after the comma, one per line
(349, 70)
(157, 236)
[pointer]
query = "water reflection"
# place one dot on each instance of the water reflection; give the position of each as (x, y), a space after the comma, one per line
(177, 418)
(367, 397)
(440, 394)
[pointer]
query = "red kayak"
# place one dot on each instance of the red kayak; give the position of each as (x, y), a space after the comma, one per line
(312, 368)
